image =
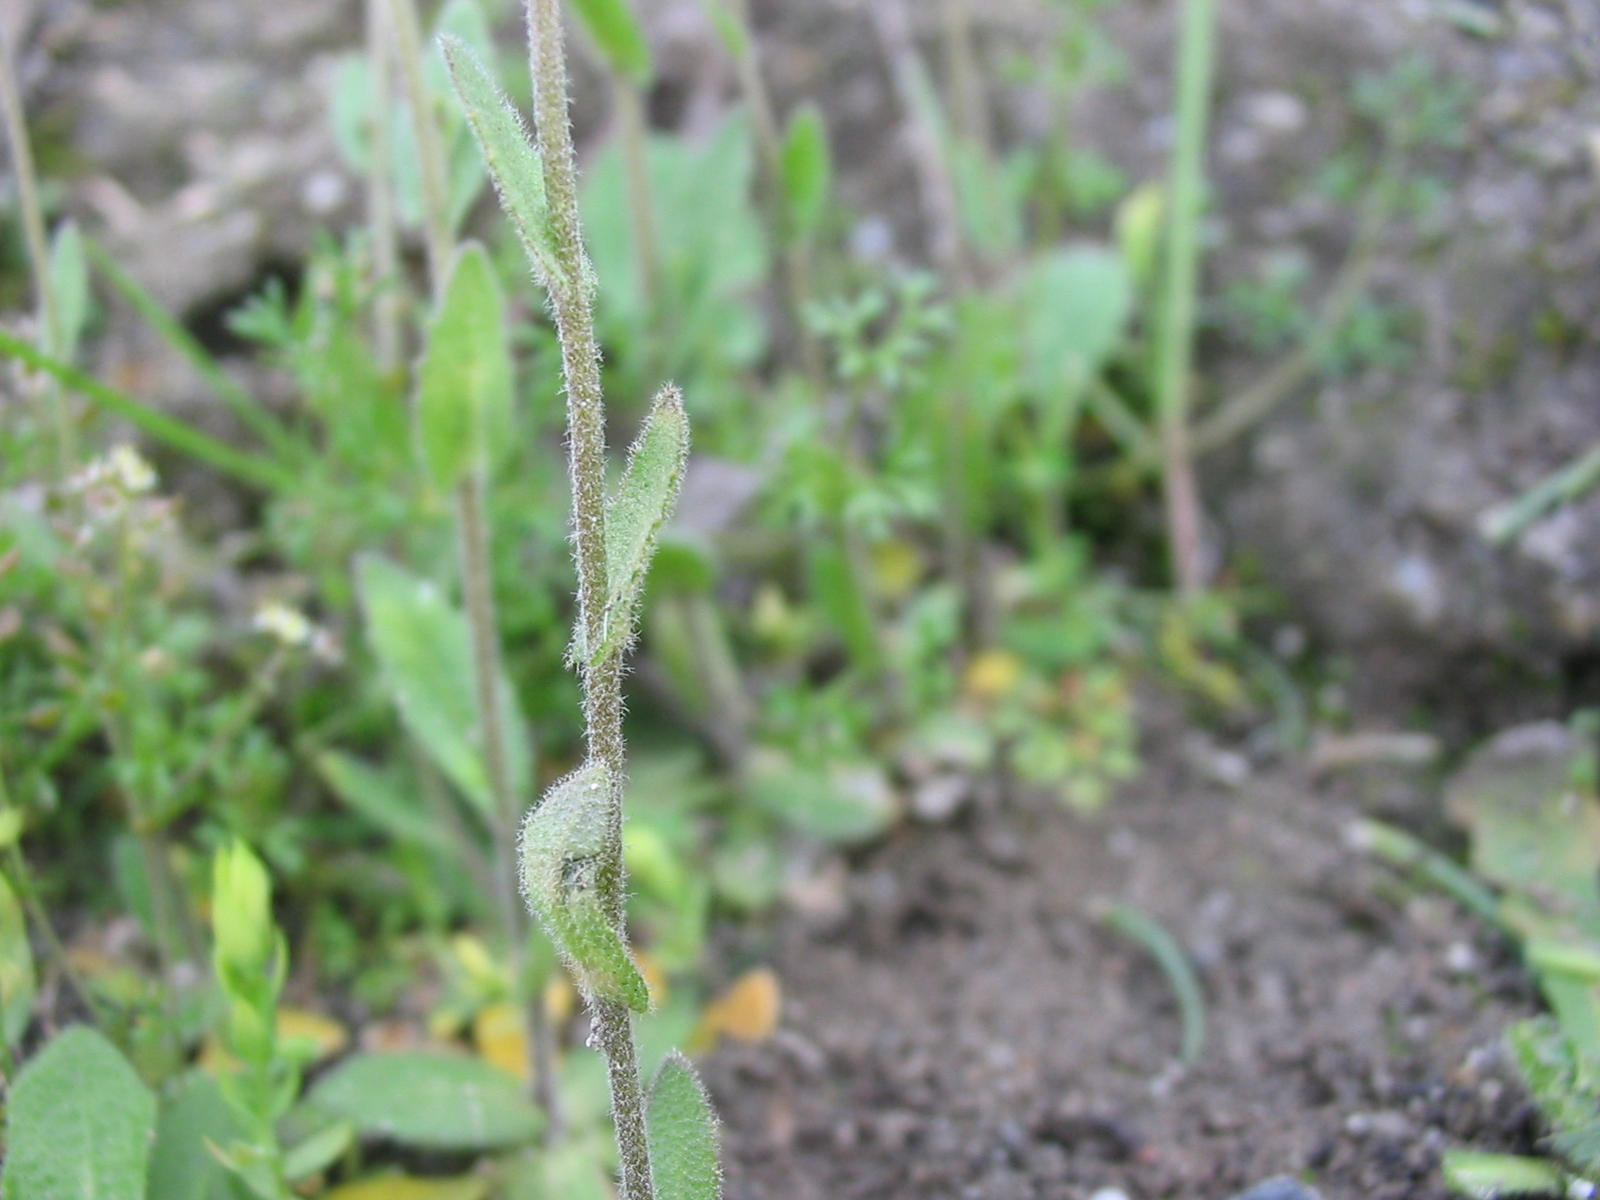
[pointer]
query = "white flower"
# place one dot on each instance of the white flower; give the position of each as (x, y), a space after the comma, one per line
(129, 468)
(288, 625)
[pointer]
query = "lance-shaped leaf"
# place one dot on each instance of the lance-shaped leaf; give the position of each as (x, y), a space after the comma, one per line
(513, 161)
(682, 1128)
(69, 286)
(79, 1124)
(615, 30)
(563, 854)
(634, 516)
(424, 647)
(464, 382)
(806, 168)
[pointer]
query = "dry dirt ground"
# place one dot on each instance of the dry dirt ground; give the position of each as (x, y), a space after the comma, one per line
(960, 1025)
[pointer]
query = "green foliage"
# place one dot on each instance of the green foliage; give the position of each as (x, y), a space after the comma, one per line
(424, 649)
(616, 31)
(807, 171)
(79, 1124)
(464, 379)
(563, 840)
(428, 1101)
(69, 282)
(643, 502)
(193, 1117)
(510, 156)
(683, 1134)
(18, 979)
(1153, 938)
(1490, 1176)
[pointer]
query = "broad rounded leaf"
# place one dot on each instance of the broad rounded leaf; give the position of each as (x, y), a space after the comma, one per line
(431, 1101)
(465, 379)
(510, 155)
(1077, 303)
(682, 1129)
(181, 1168)
(79, 1124)
(563, 853)
(616, 31)
(806, 168)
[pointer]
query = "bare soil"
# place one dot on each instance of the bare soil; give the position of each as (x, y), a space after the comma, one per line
(963, 1027)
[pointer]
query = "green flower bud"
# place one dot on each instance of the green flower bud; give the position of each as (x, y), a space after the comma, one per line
(241, 912)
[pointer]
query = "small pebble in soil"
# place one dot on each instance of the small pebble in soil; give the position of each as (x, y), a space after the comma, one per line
(1110, 1194)
(1282, 1187)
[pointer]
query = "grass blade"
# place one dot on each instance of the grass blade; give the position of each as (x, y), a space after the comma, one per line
(1151, 937)
(247, 468)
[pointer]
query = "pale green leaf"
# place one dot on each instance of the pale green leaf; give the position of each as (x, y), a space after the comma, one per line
(69, 287)
(424, 648)
(429, 1101)
(683, 1134)
(464, 382)
(318, 1152)
(730, 29)
(510, 155)
(806, 167)
(634, 516)
(1077, 303)
(18, 981)
(181, 1167)
(563, 854)
(843, 802)
(616, 31)
(380, 799)
(79, 1124)
(1489, 1176)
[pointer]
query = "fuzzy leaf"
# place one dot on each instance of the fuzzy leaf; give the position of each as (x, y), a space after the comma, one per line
(181, 1168)
(683, 1134)
(510, 155)
(615, 30)
(634, 516)
(79, 1124)
(430, 1101)
(1489, 1176)
(424, 648)
(464, 381)
(18, 982)
(806, 168)
(563, 848)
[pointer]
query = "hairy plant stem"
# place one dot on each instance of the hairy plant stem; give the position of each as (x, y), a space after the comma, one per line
(50, 396)
(602, 681)
(1196, 61)
(434, 170)
(381, 220)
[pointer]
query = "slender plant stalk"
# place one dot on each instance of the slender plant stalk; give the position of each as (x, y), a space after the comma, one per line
(474, 556)
(602, 679)
(381, 221)
(1196, 61)
(966, 80)
(472, 545)
(33, 231)
(634, 129)
(793, 263)
(940, 209)
(433, 167)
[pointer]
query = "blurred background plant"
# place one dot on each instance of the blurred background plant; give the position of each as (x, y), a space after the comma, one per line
(913, 571)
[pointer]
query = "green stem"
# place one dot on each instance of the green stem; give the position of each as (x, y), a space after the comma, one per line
(38, 245)
(1196, 61)
(436, 231)
(380, 195)
(472, 544)
(966, 81)
(602, 681)
(636, 162)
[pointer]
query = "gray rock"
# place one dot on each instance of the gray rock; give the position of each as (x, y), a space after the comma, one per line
(1283, 1187)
